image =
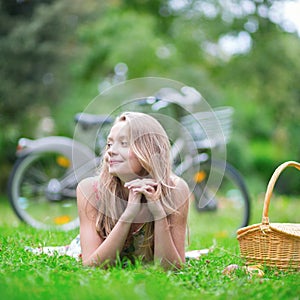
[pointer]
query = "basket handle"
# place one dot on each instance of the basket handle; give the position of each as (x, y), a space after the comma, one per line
(278, 171)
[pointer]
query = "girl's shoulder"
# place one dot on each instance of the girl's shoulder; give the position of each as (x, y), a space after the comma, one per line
(180, 198)
(179, 183)
(180, 192)
(88, 188)
(88, 183)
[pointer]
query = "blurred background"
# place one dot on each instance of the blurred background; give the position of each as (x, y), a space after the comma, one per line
(56, 56)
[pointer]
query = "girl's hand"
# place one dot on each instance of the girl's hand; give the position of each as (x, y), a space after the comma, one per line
(146, 186)
(149, 188)
(133, 206)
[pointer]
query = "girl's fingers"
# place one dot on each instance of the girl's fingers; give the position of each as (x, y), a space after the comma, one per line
(148, 189)
(150, 182)
(140, 182)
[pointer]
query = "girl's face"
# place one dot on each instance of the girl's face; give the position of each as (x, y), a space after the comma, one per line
(122, 162)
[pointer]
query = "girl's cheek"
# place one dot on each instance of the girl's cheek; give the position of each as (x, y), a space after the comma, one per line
(131, 154)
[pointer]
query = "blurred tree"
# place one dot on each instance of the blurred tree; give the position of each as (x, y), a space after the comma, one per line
(36, 44)
(234, 52)
(30, 53)
(262, 84)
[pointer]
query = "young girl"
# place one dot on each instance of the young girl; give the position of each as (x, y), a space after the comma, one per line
(136, 207)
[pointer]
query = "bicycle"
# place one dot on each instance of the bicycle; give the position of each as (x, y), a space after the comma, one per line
(43, 181)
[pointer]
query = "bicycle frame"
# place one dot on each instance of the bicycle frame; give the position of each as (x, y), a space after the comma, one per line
(81, 159)
(77, 161)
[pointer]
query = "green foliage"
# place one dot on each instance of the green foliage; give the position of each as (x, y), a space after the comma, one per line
(54, 56)
(37, 45)
(266, 99)
(31, 75)
(30, 55)
(107, 45)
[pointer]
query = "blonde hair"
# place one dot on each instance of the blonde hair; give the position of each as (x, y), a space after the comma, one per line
(150, 143)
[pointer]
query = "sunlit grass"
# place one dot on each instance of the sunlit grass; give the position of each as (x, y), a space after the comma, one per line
(27, 276)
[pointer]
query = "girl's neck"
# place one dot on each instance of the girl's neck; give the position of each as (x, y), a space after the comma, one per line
(124, 191)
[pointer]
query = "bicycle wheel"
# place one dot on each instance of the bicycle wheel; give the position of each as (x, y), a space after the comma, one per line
(224, 207)
(40, 194)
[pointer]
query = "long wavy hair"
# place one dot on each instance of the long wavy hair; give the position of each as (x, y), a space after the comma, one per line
(150, 143)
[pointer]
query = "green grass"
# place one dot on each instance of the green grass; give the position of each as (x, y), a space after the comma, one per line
(27, 276)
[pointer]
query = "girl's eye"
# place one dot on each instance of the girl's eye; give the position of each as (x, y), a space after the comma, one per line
(124, 143)
(108, 145)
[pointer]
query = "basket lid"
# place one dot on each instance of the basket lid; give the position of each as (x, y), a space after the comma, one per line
(287, 228)
(291, 229)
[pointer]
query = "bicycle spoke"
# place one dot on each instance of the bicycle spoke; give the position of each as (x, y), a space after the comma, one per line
(33, 198)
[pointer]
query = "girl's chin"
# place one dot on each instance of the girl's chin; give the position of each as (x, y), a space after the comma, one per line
(120, 175)
(125, 177)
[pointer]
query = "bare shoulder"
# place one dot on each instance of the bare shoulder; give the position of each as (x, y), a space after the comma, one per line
(87, 183)
(181, 194)
(86, 189)
(180, 185)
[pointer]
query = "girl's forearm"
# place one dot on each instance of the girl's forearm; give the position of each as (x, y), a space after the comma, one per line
(165, 249)
(107, 252)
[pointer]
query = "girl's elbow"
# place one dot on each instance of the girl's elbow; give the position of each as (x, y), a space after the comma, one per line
(178, 264)
(175, 264)
(87, 262)
(92, 262)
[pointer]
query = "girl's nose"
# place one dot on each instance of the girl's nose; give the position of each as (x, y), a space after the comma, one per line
(111, 150)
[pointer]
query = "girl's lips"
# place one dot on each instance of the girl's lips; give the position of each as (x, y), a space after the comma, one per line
(114, 162)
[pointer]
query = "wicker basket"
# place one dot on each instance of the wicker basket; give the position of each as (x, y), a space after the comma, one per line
(271, 244)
